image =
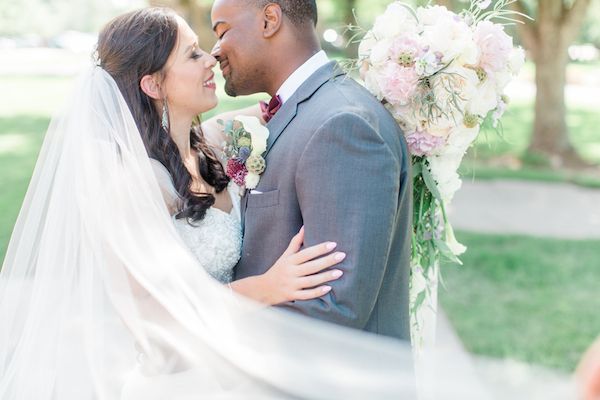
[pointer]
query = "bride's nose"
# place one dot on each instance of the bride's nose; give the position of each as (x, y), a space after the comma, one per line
(210, 61)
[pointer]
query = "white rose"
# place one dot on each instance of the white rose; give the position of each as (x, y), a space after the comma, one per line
(484, 99)
(385, 27)
(452, 38)
(372, 84)
(405, 116)
(252, 180)
(431, 15)
(469, 54)
(395, 20)
(380, 52)
(441, 127)
(461, 138)
(443, 169)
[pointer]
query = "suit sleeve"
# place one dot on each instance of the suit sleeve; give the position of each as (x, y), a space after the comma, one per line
(348, 183)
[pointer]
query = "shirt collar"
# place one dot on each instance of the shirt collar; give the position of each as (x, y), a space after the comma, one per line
(297, 78)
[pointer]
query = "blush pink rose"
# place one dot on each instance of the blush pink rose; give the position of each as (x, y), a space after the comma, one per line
(398, 83)
(420, 143)
(494, 44)
(405, 44)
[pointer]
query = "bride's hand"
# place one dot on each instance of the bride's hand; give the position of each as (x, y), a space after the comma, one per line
(297, 273)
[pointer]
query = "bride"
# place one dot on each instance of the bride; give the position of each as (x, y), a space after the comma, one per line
(106, 289)
(166, 81)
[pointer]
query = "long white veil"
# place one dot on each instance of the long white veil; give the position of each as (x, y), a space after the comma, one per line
(100, 299)
(96, 284)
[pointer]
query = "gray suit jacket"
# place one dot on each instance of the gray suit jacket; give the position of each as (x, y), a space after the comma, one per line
(338, 164)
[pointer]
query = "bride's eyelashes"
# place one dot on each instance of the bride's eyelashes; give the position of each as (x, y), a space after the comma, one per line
(195, 55)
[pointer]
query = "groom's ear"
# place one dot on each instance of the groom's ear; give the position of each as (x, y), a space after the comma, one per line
(150, 86)
(273, 17)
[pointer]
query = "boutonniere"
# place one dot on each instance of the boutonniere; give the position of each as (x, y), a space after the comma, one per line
(245, 149)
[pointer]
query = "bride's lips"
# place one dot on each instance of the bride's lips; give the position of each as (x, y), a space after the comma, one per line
(210, 82)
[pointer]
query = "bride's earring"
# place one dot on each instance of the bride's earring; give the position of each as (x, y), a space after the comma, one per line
(165, 116)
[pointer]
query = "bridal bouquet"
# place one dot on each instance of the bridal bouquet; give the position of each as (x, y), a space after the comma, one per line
(442, 77)
(245, 149)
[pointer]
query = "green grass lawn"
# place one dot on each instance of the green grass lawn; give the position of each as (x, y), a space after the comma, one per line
(25, 109)
(530, 299)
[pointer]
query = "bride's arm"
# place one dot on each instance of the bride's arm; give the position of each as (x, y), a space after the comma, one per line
(213, 132)
(297, 275)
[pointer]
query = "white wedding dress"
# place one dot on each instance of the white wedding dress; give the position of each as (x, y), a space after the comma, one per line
(216, 240)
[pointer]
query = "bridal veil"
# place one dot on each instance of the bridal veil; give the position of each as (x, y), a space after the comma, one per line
(100, 299)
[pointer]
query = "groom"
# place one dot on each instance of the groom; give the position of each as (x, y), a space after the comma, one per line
(337, 163)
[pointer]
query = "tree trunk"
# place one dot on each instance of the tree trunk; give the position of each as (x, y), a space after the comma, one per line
(548, 39)
(550, 133)
(197, 15)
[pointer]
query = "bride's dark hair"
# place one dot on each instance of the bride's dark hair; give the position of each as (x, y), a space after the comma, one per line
(137, 44)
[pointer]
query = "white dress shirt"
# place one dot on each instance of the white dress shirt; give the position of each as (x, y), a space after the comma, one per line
(297, 78)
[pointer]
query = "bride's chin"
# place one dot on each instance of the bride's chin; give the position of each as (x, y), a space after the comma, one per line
(209, 105)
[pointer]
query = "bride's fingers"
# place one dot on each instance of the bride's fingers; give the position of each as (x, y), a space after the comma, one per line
(318, 279)
(318, 265)
(308, 294)
(295, 243)
(313, 252)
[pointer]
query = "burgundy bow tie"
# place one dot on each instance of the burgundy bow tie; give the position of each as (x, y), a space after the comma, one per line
(268, 110)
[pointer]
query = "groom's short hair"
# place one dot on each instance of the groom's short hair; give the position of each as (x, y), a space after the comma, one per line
(298, 11)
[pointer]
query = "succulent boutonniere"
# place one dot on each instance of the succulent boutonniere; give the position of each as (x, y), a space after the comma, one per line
(245, 149)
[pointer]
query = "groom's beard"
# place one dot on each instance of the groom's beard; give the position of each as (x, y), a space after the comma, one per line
(230, 88)
(245, 83)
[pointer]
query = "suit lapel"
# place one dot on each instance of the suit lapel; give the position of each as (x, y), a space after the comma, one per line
(288, 111)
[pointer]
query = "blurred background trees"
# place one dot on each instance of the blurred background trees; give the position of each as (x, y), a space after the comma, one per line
(549, 39)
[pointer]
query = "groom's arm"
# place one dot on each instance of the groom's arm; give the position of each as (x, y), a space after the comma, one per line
(348, 183)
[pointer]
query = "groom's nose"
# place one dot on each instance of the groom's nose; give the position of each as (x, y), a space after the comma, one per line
(216, 51)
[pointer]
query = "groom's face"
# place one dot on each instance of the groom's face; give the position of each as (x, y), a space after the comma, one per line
(237, 25)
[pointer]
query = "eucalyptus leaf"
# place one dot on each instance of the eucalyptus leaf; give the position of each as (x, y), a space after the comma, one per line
(430, 182)
(416, 170)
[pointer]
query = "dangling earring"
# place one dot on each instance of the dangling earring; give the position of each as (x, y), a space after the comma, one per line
(165, 116)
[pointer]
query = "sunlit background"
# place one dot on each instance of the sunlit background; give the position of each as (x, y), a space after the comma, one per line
(519, 295)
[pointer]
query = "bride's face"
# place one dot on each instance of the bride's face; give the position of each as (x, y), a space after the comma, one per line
(189, 78)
